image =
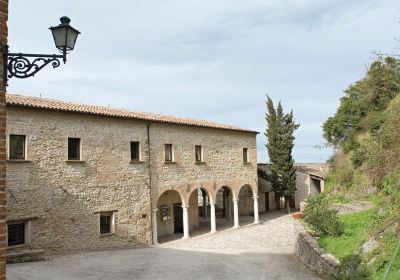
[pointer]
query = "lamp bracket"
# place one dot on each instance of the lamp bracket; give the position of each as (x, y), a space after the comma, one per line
(23, 65)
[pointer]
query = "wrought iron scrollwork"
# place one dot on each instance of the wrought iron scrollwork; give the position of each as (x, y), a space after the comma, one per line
(25, 65)
(20, 66)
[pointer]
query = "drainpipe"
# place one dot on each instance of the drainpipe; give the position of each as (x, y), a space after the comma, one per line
(150, 184)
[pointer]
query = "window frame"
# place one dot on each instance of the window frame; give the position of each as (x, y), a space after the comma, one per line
(26, 233)
(201, 153)
(245, 154)
(138, 151)
(111, 225)
(23, 148)
(171, 153)
(79, 149)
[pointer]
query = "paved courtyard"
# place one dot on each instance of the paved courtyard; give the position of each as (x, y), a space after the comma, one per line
(262, 251)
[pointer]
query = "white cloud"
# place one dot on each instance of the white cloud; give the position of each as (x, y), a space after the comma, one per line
(208, 59)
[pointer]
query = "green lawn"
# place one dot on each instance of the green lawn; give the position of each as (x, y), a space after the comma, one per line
(355, 230)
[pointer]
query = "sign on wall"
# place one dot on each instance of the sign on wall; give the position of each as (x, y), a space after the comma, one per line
(165, 213)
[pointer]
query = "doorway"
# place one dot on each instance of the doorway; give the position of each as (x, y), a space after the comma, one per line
(178, 218)
(266, 201)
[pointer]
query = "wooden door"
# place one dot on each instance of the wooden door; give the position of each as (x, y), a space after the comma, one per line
(266, 201)
(178, 218)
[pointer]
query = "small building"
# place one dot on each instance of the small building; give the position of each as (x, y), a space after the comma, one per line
(309, 182)
(84, 177)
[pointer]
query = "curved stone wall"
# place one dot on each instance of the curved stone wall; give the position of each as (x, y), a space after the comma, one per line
(314, 257)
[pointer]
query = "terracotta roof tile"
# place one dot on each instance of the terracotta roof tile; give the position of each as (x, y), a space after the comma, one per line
(57, 105)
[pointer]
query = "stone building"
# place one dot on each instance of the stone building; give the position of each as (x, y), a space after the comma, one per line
(309, 182)
(3, 234)
(89, 177)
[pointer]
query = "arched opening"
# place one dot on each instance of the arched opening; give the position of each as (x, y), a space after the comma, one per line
(199, 211)
(224, 208)
(246, 205)
(169, 216)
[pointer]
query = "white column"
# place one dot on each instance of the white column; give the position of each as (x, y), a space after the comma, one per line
(185, 221)
(256, 219)
(213, 221)
(154, 221)
(236, 213)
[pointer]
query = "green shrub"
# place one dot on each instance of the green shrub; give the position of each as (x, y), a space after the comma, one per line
(323, 219)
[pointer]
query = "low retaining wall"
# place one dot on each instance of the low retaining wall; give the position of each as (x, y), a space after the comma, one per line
(310, 254)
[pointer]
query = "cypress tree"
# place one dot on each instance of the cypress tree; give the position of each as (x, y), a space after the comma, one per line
(280, 143)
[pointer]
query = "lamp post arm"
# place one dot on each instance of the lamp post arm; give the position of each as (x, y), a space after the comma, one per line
(25, 65)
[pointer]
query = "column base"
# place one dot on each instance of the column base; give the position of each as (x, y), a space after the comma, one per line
(235, 227)
(213, 231)
(185, 237)
(256, 223)
(155, 244)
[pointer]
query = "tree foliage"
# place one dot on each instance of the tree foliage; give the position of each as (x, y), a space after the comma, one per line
(366, 97)
(280, 142)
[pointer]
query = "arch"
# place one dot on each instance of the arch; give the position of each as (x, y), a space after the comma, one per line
(166, 189)
(223, 200)
(253, 189)
(246, 200)
(169, 218)
(199, 210)
(231, 190)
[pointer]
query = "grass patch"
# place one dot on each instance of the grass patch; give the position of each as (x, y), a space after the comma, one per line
(340, 199)
(355, 229)
(383, 256)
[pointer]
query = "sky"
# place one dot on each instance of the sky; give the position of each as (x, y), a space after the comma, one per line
(207, 59)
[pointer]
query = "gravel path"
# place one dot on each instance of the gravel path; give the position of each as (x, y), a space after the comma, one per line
(262, 251)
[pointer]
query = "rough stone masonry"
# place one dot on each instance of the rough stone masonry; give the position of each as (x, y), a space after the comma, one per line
(62, 200)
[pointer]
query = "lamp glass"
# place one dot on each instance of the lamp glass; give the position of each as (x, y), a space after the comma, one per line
(64, 35)
(72, 35)
(60, 36)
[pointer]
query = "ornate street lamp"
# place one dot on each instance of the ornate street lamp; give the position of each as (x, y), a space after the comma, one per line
(18, 65)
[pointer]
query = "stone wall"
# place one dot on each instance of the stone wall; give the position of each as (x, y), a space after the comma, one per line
(263, 187)
(223, 160)
(310, 254)
(62, 199)
(3, 41)
(302, 188)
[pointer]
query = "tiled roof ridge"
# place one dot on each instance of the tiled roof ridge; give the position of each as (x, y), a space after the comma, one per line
(58, 105)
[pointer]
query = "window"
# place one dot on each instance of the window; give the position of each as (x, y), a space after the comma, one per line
(16, 234)
(198, 153)
(74, 148)
(245, 155)
(135, 151)
(17, 147)
(168, 152)
(106, 222)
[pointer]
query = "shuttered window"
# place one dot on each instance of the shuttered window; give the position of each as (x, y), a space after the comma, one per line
(168, 152)
(245, 155)
(17, 147)
(198, 153)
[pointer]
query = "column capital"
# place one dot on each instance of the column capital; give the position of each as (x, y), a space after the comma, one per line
(185, 206)
(256, 197)
(154, 210)
(235, 200)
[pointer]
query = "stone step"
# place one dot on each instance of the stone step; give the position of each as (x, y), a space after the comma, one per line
(28, 255)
